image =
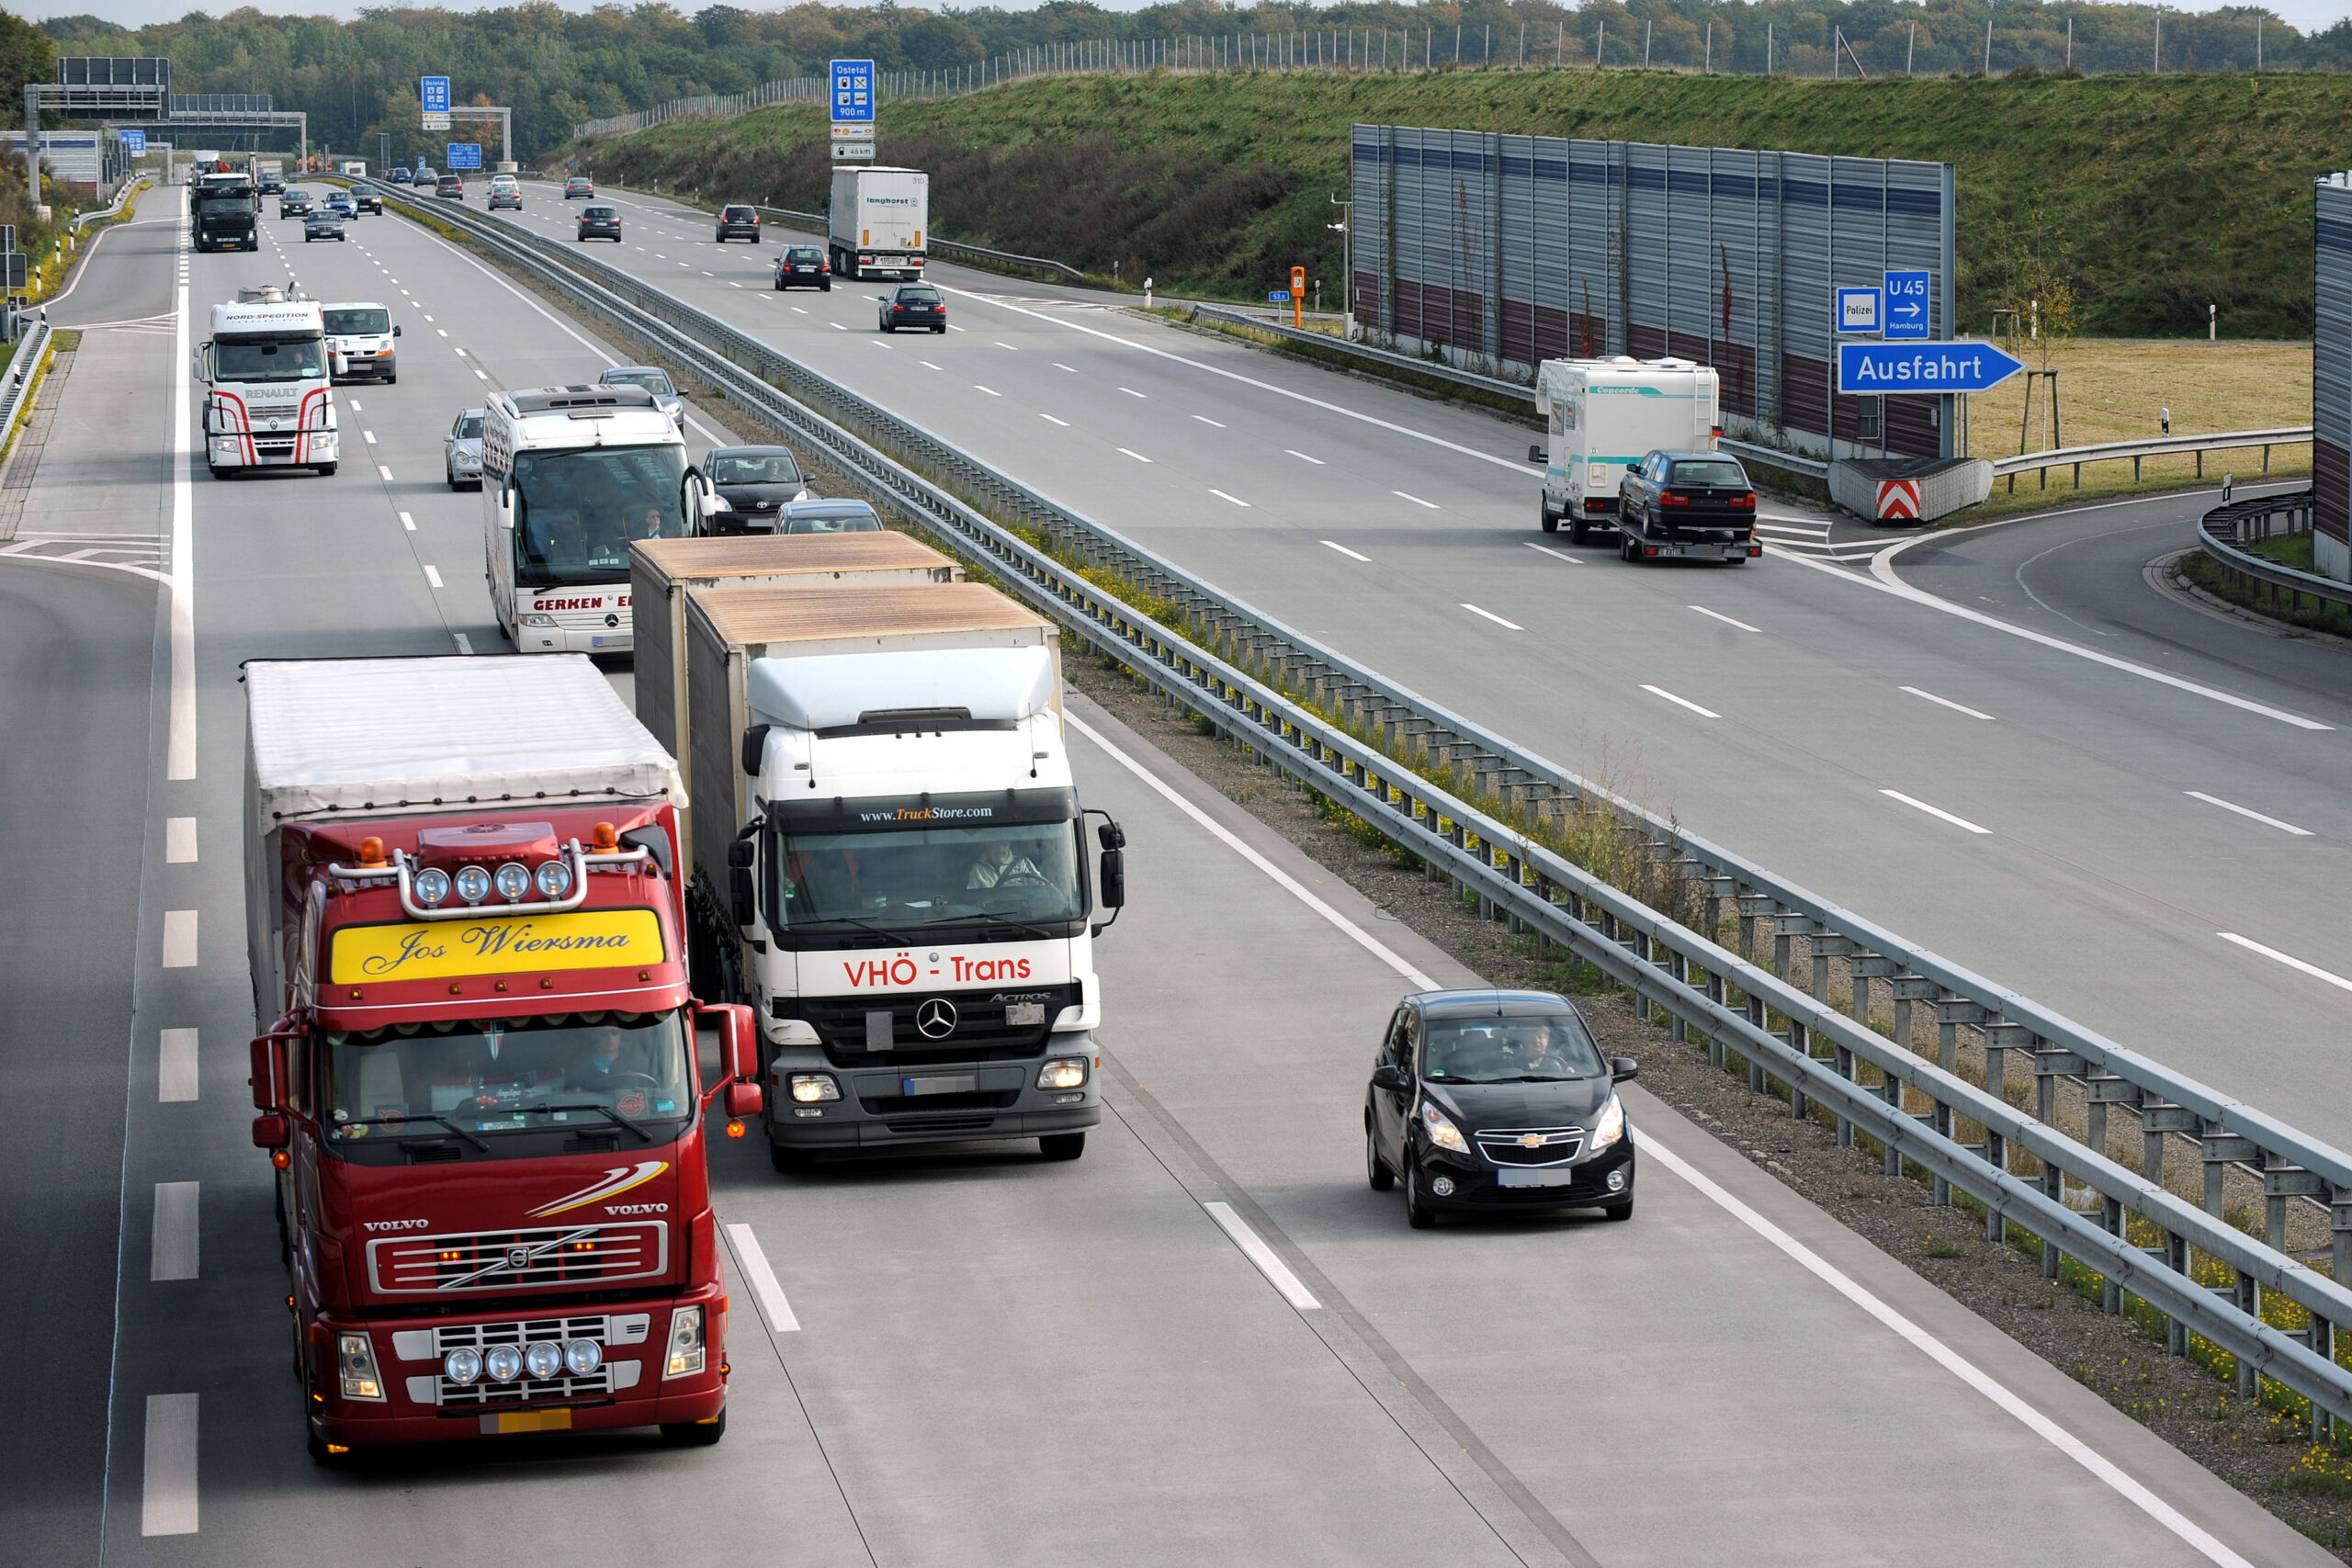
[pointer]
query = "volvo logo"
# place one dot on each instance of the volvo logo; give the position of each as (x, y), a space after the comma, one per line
(516, 1257)
(935, 1019)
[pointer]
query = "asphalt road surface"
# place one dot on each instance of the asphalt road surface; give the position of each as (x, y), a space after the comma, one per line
(1207, 1340)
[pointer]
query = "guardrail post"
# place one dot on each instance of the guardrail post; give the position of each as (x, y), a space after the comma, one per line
(2281, 1183)
(2048, 1066)
(1825, 946)
(2157, 1121)
(2224, 1149)
(1801, 1042)
(1716, 990)
(2111, 1296)
(1891, 1089)
(1756, 1016)
(1786, 928)
(1753, 906)
(1951, 1014)
(2249, 1301)
(1909, 988)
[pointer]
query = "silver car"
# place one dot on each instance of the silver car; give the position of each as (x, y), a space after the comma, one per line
(462, 451)
(654, 380)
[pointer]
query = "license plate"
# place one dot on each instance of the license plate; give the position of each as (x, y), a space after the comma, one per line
(943, 1083)
(1555, 1178)
(528, 1421)
(595, 642)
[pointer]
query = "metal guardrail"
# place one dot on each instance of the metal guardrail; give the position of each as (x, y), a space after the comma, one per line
(2139, 451)
(24, 369)
(2223, 532)
(130, 189)
(816, 221)
(1819, 1055)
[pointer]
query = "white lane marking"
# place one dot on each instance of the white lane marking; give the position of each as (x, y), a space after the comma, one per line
(179, 939)
(443, 330)
(1947, 702)
(929, 365)
(1001, 344)
(761, 1279)
(1235, 499)
(1513, 625)
(1883, 578)
(1681, 702)
(1933, 810)
(167, 1494)
(1051, 420)
(385, 471)
(175, 1076)
(355, 406)
(1718, 616)
(954, 328)
(1335, 545)
(1060, 366)
(458, 352)
(465, 644)
(1952, 1361)
(1417, 501)
(432, 576)
(877, 342)
(1254, 1246)
(478, 376)
(179, 841)
(1304, 457)
(408, 522)
(1555, 555)
(370, 435)
(837, 326)
(798, 312)
(1516, 468)
(2258, 816)
(172, 1246)
(732, 284)
(1281, 878)
(1135, 454)
(2289, 960)
(1131, 391)
(1206, 419)
(992, 391)
(180, 750)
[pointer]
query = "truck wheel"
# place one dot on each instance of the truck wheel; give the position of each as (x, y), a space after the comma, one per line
(1577, 533)
(327, 470)
(1551, 519)
(695, 1433)
(1062, 1146)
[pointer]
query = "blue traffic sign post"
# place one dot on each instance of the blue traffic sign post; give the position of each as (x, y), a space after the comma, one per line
(1906, 313)
(1877, 369)
(434, 91)
(464, 156)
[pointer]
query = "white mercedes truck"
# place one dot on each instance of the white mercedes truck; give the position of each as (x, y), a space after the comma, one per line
(1606, 415)
(269, 398)
(571, 476)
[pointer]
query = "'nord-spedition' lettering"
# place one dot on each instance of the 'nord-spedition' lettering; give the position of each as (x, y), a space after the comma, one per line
(490, 941)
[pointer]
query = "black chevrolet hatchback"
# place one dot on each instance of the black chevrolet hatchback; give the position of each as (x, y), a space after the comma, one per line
(1487, 1101)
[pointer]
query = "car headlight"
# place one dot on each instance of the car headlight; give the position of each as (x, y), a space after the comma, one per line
(1064, 1072)
(1442, 1132)
(810, 1087)
(1611, 1127)
(355, 1357)
(685, 1357)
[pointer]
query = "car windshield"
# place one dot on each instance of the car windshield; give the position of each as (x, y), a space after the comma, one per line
(654, 381)
(373, 321)
(577, 512)
(908, 880)
(470, 427)
(754, 468)
(252, 360)
(1551, 1048)
(859, 522)
(623, 1072)
(1727, 476)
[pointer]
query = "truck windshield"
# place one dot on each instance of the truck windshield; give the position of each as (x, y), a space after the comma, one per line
(249, 359)
(371, 323)
(482, 1078)
(917, 879)
(575, 513)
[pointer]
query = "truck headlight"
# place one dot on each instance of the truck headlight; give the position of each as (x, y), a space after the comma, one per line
(473, 883)
(1611, 1127)
(355, 1357)
(543, 1360)
(686, 1353)
(539, 620)
(583, 1357)
(554, 879)
(503, 1362)
(810, 1087)
(1441, 1131)
(461, 1367)
(1065, 1072)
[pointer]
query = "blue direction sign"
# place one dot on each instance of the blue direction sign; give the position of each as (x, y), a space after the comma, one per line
(1907, 305)
(1873, 369)
(134, 141)
(465, 155)
(434, 91)
(853, 92)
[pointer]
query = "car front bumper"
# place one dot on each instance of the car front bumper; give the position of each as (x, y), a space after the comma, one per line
(1477, 1185)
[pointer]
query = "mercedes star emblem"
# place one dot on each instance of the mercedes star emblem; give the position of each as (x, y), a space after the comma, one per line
(935, 1019)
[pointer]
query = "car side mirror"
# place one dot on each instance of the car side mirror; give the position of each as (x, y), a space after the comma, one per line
(1388, 1077)
(271, 1132)
(396, 331)
(1623, 1069)
(1537, 454)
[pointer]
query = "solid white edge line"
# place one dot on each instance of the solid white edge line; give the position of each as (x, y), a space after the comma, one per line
(1947, 702)
(1943, 1355)
(179, 939)
(1473, 609)
(1335, 545)
(1254, 1246)
(1719, 615)
(179, 751)
(2243, 811)
(753, 1260)
(1681, 702)
(172, 1243)
(2289, 959)
(168, 1488)
(1933, 810)
(176, 1066)
(1289, 884)
(179, 841)
(1555, 555)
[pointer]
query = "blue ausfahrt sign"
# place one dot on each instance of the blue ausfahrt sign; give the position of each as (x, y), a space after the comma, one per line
(1875, 368)
(1907, 305)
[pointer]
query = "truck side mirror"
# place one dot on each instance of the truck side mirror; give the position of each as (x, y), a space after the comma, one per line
(506, 504)
(268, 1078)
(1115, 879)
(204, 364)
(271, 1131)
(755, 748)
(741, 892)
(1537, 454)
(743, 1099)
(338, 364)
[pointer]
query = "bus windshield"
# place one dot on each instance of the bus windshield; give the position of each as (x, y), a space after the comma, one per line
(575, 513)
(302, 359)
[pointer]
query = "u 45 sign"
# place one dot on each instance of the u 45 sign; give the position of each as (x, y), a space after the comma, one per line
(1876, 368)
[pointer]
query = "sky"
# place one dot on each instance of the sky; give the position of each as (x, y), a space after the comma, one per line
(2310, 15)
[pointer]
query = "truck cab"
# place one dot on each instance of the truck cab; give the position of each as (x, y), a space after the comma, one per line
(225, 212)
(1604, 416)
(269, 399)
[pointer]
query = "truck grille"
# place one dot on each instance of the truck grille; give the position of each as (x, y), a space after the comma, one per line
(984, 1030)
(517, 1259)
(1504, 1146)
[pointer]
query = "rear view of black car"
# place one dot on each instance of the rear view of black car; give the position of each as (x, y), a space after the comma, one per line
(1694, 504)
(1483, 1101)
(600, 223)
(803, 266)
(738, 222)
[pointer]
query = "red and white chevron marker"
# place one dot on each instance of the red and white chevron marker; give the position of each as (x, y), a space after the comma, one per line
(1898, 501)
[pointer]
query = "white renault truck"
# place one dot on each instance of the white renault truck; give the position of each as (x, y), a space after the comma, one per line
(1607, 415)
(571, 476)
(891, 862)
(269, 399)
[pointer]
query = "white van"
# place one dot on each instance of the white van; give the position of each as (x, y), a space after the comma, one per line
(1605, 416)
(362, 332)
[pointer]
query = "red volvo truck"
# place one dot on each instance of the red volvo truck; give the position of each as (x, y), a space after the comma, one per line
(481, 1090)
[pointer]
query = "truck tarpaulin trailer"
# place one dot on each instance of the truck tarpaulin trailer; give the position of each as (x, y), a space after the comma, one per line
(877, 220)
(891, 862)
(1605, 415)
(477, 1078)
